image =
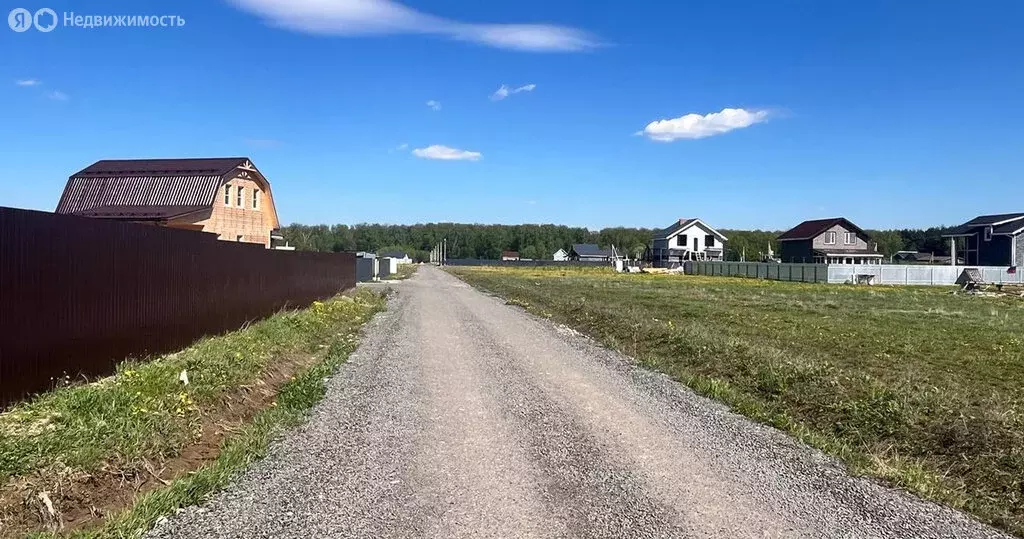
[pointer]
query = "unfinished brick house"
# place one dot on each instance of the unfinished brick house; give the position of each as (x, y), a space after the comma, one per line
(226, 196)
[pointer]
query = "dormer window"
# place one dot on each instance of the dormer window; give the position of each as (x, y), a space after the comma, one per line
(830, 237)
(988, 233)
(227, 195)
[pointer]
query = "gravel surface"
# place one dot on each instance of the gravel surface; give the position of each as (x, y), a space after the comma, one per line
(460, 416)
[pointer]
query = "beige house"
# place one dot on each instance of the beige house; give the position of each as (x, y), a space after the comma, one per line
(228, 197)
(828, 241)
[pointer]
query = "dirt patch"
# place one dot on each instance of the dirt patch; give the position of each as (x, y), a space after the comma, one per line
(63, 500)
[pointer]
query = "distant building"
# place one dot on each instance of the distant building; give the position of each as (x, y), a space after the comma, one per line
(989, 240)
(400, 257)
(590, 252)
(227, 196)
(686, 239)
(915, 257)
(560, 255)
(828, 241)
(510, 255)
(367, 267)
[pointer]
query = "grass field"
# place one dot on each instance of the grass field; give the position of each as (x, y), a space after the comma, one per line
(916, 385)
(404, 272)
(107, 459)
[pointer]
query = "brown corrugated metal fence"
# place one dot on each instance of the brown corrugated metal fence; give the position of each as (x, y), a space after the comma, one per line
(77, 295)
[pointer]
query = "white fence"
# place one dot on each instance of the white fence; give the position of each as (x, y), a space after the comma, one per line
(917, 275)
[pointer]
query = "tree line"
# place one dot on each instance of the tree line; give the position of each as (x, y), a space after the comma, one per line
(541, 241)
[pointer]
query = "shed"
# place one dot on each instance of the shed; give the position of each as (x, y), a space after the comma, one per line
(590, 252)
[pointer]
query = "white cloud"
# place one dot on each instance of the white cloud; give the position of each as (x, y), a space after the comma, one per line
(368, 17)
(694, 126)
(445, 153)
(505, 91)
(57, 95)
(403, 146)
(263, 142)
(27, 82)
(434, 105)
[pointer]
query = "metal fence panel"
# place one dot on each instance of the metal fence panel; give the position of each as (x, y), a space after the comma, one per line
(919, 274)
(810, 273)
(366, 269)
(522, 263)
(78, 295)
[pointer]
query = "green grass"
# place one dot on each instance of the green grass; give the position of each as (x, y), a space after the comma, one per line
(248, 445)
(404, 272)
(915, 385)
(144, 413)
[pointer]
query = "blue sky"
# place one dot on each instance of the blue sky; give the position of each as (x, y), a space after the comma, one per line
(894, 114)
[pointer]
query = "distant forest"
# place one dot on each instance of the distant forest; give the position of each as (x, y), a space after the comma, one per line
(541, 241)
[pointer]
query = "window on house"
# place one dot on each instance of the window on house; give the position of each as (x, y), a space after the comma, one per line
(830, 238)
(709, 241)
(851, 238)
(240, 198)
(681, 240)
(988, 233)
(227, 195)
(255, 199)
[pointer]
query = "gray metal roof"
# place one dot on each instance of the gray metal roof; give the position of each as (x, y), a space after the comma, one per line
(1003, 223)
(591, 249)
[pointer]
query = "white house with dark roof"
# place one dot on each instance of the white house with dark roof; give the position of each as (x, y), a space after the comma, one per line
(591, 252)
(400, 257)
(686, 239)
(989, 240)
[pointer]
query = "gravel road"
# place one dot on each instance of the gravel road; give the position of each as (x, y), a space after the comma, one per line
(460, 416)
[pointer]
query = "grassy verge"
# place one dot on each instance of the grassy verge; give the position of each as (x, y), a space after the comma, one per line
(143, 427)
(917, 386)
(404, 272)
(249, 444)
